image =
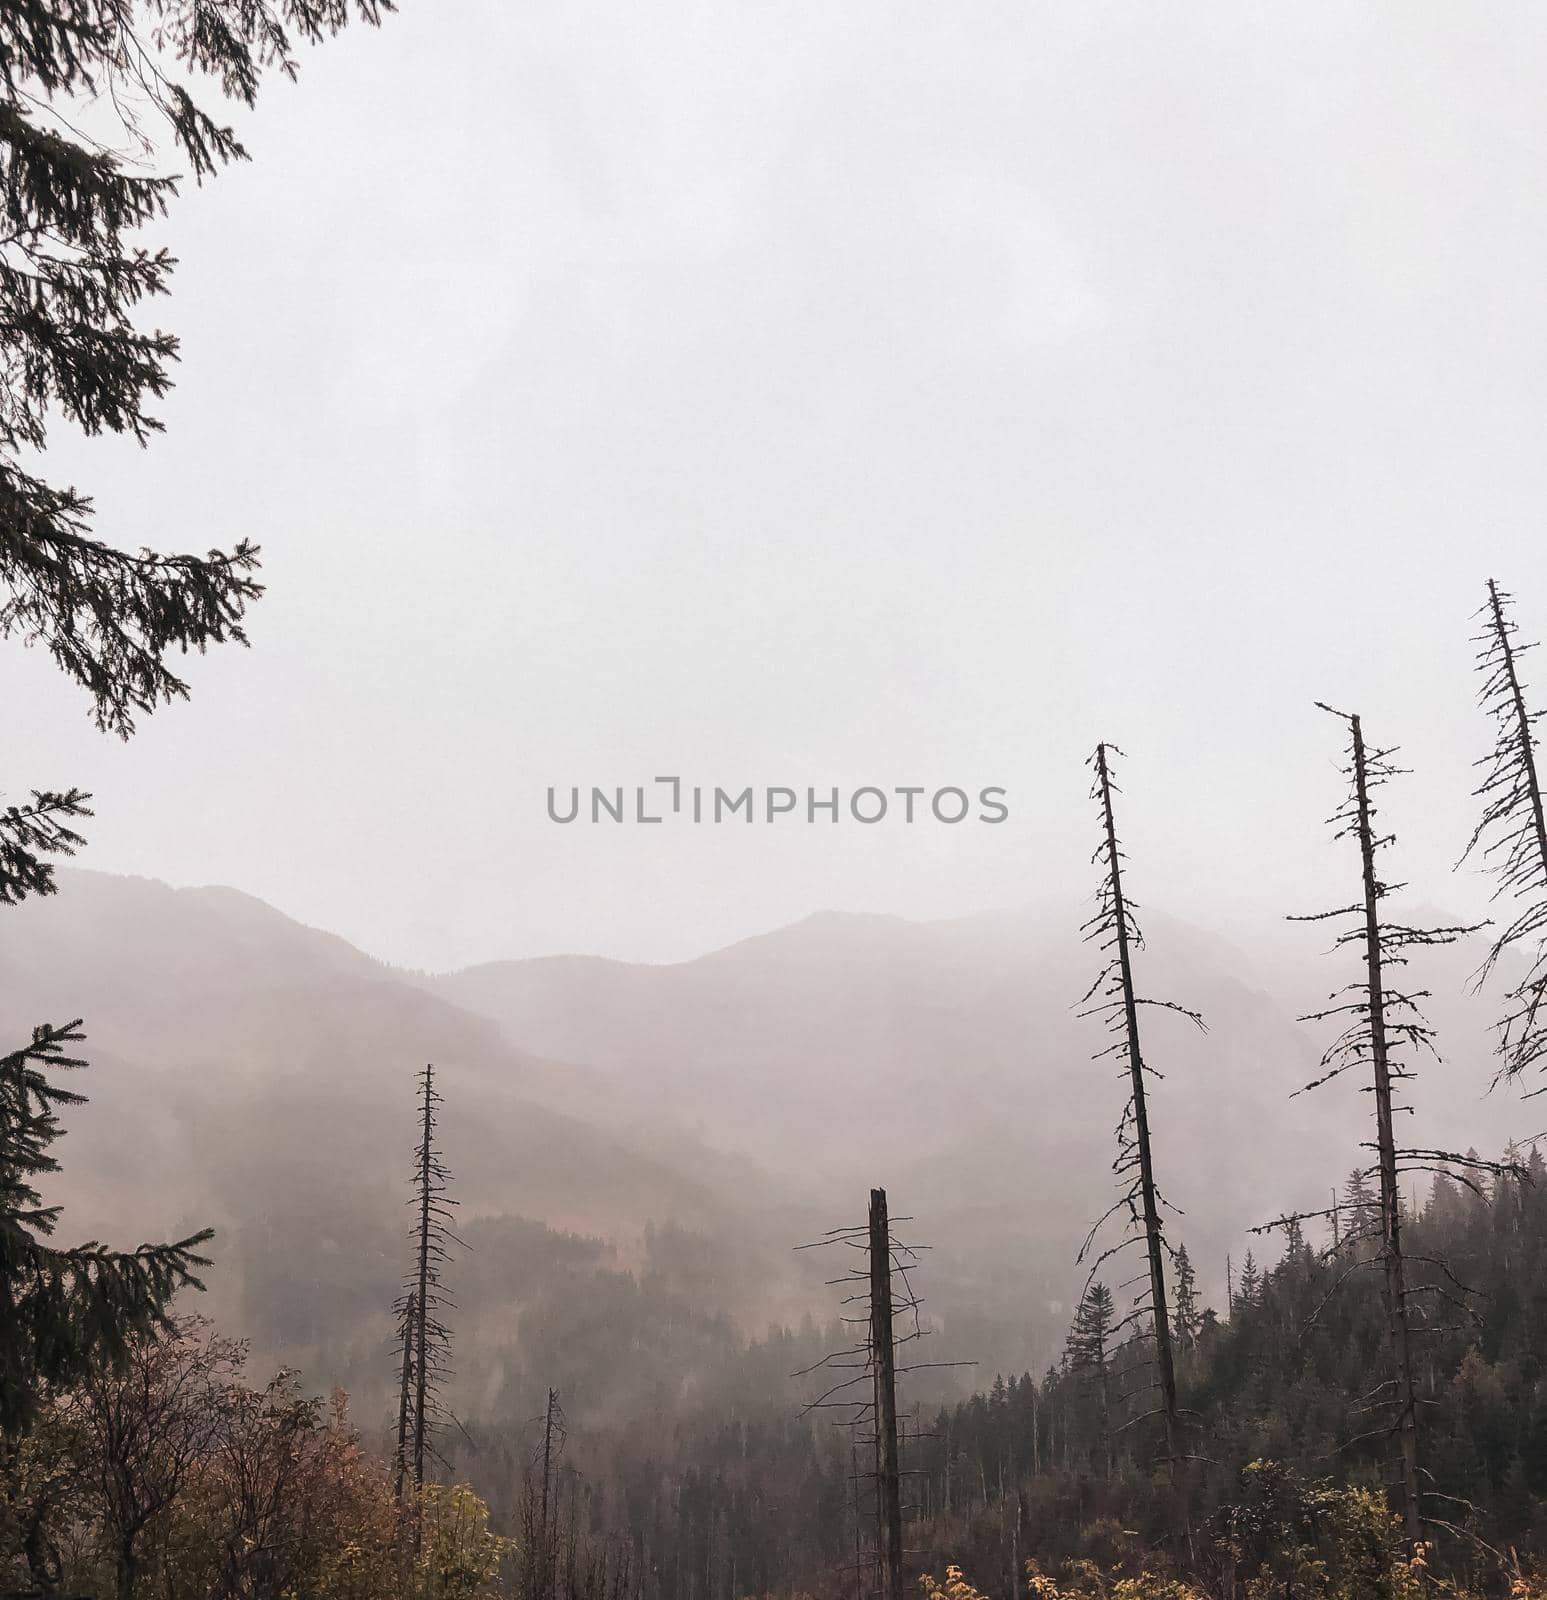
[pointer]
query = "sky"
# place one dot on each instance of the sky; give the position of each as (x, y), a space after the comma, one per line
(813, 395)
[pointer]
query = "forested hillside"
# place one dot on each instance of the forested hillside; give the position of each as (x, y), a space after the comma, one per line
(1283, 1375)
(733, 1096)
(629, 1256)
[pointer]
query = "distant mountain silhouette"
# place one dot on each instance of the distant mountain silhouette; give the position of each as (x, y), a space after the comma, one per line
(257, 1074)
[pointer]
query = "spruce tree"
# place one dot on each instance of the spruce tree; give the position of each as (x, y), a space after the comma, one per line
(1250, 1290)
(1359, 1210)
(1185, 1314)
(92, 94)
(1087, 1351)
(64, 1312)
(75, 272)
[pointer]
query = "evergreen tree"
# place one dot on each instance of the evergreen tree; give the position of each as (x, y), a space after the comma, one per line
(74, 274)
(1445, 1203)
(1090, 1333)
(63, 1312)
(1087, 1349)
(1185, 1316)
(1360, 1209)
(1294, 1240)
(1249, 1292)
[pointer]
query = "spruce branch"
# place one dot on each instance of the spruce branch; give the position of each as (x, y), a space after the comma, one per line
(74, 281)
(29, 833)
(65, 1311)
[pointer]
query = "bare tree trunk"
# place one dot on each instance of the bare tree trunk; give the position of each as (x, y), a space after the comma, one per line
(883, 1358)
(127, 1574)
(571, 1539)
(427, 1343)
(421, 1307)
(1522, 723)
(1149, 1205)
(409, 1324)
(1390, 1199)
(859, 1565)
(1018, 1573)
(1106, 1418)
(1004, 1530)
(546, 1556)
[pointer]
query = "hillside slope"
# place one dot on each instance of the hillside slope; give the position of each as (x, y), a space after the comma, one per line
(949, 1061)
(258, 1075)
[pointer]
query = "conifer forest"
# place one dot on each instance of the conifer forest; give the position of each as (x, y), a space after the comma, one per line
(987, 1256)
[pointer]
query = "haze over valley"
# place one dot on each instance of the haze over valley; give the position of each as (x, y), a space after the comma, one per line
(668, 1133)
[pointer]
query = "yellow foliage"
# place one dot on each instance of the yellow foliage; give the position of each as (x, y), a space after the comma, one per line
(459, 1559)
(955, 1587)
(1403, 1579)
(1085, 1580)
(1525, 1585)
(1147, 1586)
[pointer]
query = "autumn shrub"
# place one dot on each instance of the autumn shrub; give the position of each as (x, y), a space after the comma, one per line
(459, 1558)
(171, 1476)
(1288, 1534)
(955, 1587)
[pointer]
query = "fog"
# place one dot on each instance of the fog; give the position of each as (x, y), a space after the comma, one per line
(829, 396)
(687, 1124)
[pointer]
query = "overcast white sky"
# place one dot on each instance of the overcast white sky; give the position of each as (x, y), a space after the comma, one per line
(834, 394)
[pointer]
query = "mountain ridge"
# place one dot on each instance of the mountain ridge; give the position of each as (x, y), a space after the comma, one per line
(752, 1095)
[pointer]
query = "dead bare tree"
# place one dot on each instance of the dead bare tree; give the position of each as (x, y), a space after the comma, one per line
(884, 1373)
(426, 1339)
(554, 1436)
(1513, 833)
(1115, 1000)
(880, 1292)
(1381, 1027)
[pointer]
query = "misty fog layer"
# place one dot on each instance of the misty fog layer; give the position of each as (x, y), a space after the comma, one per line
(883, 394)
(660, 1138)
